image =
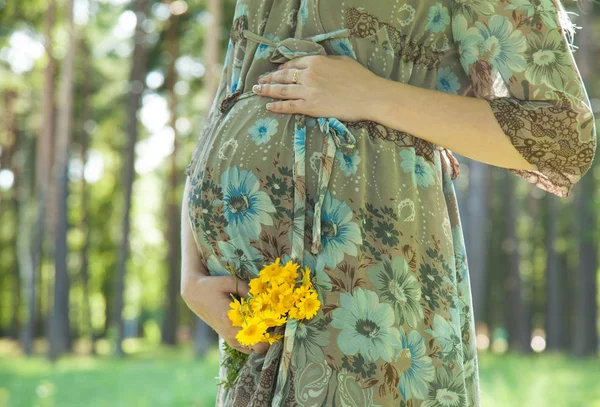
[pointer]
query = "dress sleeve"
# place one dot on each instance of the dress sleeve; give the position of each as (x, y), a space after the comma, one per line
(517, 55)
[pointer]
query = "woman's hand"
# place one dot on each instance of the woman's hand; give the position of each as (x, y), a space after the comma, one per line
(327, 86)
(209, 298)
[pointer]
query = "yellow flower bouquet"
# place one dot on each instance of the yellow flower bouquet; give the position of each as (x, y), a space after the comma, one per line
(280, 292)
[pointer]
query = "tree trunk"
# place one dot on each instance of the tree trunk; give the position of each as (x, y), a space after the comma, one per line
(84, 225)
(586, 309)
(476, 237)
(60, 337)
(9, 213)
(171, 321)
(555, 310)
(204, 336)
(516, 312)
(42, 180)
(136, 87)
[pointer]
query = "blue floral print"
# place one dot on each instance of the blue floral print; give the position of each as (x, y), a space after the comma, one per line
(438, 18)
(245, 206)
(241, 255)
(397, 286)
(503, 45)
(339, 234)
(468, 39)
(300, 141)
(263, 51)
(262, 130)
(419, 370)
(422, 173)
(367, 326)
(348, 163)
(447, 81)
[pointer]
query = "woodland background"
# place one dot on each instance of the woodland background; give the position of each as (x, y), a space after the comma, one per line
(101, 102)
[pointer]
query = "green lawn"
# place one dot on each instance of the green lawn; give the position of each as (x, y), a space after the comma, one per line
(173, 378)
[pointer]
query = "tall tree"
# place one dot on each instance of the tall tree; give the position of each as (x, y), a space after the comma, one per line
(85, 195)
(477, 206)
(585, 341)
(43, 167)
(136, 87)
(171, 321)
(516, 313)
(204, 336)
(9, 145)
(59, 320)
(555, 310)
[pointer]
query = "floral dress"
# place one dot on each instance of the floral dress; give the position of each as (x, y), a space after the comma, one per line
(370, 209)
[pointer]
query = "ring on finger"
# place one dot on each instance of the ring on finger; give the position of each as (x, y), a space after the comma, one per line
(295, 76)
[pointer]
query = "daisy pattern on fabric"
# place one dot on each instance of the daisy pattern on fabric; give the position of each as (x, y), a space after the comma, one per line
(544, 9)
(339, 234)
(348, 163)
(414, 366)
(422, 173)
(447, 81)
(438, 18)
(446, 390)
(241, 255)
(503, 46)
(447, 332)
(397, 286)
(264, 51)
(468, 40)
(262, 130)
(246, 207)
(367, 326)
(547, 59)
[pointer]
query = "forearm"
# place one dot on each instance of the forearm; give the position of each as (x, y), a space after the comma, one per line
(464, 125)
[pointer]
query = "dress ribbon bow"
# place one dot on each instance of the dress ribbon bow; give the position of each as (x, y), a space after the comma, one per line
(336, 133)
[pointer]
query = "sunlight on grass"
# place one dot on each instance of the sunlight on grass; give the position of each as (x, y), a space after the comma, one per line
(164, 377)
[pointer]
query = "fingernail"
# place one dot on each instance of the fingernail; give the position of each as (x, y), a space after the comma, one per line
(280, 67)
(256, 88)
(269, 105)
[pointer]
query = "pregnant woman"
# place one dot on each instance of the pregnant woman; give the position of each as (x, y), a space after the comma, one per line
(329, 144)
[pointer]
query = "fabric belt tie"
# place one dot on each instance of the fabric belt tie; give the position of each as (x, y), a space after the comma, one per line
(337, 135)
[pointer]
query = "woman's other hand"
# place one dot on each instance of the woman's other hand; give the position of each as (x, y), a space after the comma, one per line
(327, 86)
(208, 296)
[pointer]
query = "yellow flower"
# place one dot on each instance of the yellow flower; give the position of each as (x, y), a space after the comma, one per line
(310, 304)
(306, 277)
(297, 313)
(277, 296)
(270, 270)
(235, 314)
(251, 333)
(258, 286)
(260, 303)
(272, 318)
(267, 337)
(289, 272)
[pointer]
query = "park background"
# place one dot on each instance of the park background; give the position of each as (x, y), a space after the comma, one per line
(101, 104)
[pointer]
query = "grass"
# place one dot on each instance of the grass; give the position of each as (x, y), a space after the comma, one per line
(174, 378)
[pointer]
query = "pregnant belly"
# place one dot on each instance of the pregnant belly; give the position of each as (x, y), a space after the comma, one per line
(241, 201)
(262, 178)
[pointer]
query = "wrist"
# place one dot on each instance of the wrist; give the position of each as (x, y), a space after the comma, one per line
(377, 99)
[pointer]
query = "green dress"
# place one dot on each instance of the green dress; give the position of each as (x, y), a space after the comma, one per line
(372, 210)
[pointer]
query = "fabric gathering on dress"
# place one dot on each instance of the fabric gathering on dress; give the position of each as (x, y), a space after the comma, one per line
(371, 210)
